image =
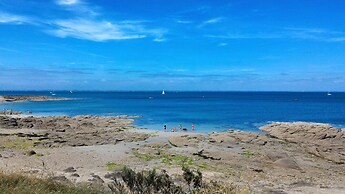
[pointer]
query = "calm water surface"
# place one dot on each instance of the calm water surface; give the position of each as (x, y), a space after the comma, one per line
(209, 111)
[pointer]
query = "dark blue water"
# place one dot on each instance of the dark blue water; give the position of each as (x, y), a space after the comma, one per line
(209, 111)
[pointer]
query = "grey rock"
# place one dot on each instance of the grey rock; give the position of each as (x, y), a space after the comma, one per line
(288, 163)
(70, 170)
(31, 153)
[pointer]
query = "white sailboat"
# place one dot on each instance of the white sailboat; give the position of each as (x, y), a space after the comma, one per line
(163, 92)
(329, 94)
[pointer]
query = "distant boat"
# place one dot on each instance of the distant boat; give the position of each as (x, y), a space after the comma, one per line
(163, 92)
(329, 94)
(53, 94)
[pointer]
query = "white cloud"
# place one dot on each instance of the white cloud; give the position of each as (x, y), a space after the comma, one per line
(184, 21)
(79, 7)
(67, 2)
(213, 20)
(88, 25)
(13, 19)
(314, 34)
(102, 30)
(210, 21)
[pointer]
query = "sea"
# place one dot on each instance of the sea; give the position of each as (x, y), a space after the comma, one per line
(208, 111)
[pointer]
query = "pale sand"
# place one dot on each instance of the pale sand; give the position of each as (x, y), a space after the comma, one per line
(85, 159)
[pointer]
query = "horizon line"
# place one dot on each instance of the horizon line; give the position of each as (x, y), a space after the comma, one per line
(45, 90)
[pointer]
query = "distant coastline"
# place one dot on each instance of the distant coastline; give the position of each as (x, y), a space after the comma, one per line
(21, 98)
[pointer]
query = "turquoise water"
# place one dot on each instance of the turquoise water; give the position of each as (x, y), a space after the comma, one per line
(209, 111)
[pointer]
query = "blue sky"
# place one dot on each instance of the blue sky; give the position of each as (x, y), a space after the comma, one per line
(274, 45)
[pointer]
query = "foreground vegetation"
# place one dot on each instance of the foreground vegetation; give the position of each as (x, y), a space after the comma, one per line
(125, 181)
(16, 183)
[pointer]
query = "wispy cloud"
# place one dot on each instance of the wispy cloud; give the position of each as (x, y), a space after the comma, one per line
(87, 24)
(96, 31)
(211, 21)
(184, 22)
(45, 72)
(315, 34)
(67, 2)
(7, 49)
(96, 28)
(79, 7)
(14, 19)
(159, 39)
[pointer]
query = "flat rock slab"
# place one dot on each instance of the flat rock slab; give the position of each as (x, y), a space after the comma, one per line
(321, 140)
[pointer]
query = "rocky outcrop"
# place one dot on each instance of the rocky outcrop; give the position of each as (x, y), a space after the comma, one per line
(17, 98)
(232, 137)
(61, 123)
(321, 140)
(10, 112)
(71, 131)
(186, 140)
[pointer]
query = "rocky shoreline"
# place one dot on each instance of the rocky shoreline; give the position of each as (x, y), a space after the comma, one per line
(291, 158)
(17, 98)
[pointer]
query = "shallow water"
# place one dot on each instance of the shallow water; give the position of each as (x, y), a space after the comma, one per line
(209, 111)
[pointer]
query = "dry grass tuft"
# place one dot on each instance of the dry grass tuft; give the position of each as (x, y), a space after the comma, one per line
(16, 183)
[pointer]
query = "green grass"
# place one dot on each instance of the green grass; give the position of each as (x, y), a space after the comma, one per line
(16, 183)
(114, 166)
(145, 157)
(248, 154)
(172, 160)
(178, 160)
(203, 166)
(38, 155)
(20, 144)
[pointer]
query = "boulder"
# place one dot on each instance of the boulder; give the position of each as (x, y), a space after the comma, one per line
(287, 163)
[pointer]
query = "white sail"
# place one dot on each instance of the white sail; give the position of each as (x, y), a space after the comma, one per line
(163, 92)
